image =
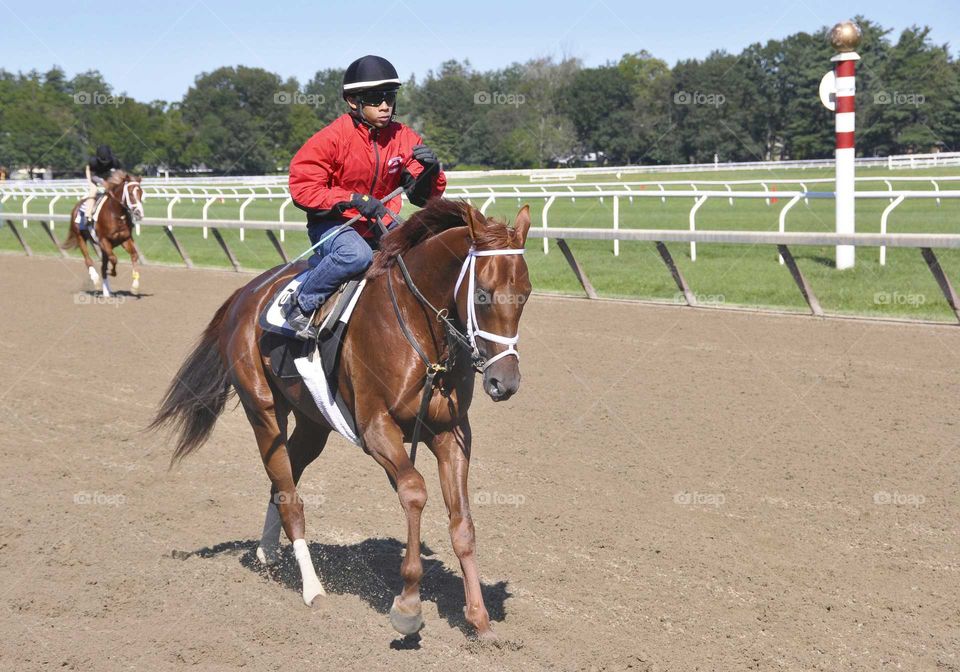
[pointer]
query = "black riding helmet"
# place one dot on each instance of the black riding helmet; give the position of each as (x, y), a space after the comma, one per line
(104, 153)
(369, 74)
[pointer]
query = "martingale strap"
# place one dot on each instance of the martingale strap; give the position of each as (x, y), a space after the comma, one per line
(473, 326)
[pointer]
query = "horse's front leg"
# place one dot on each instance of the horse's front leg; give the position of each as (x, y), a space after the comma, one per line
(384, 440)
(453, 459)
(135, 262)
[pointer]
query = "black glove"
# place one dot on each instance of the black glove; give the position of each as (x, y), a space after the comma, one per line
(426, 156)
(368, 206)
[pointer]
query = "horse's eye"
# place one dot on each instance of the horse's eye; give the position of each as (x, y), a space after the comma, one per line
(483, 297)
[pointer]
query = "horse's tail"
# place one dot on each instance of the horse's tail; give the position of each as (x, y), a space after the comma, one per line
(199, 391)
(71, 241)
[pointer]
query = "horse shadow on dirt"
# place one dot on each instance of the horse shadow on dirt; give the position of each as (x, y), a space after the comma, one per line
(116, 296)
(371, 571)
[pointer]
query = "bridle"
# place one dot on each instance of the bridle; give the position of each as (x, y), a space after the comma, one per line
(455, 335)
(473, 326)
(134, 206)
(126, 200)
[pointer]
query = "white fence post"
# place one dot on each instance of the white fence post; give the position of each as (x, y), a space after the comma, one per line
(206, 206)
(543, 219)
(242, 209)
(282, 221)
(693, 225)
(616, 225)
(883, 225)
(783, 218)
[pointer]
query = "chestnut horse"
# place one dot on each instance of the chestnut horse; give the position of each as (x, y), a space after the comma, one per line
(113, 226)
(459, 305)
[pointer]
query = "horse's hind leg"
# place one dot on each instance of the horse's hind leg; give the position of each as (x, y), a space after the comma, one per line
(270, 427)
(135, 262)
(303, 447)
(384, 439)
(91, 270)
(108, 257)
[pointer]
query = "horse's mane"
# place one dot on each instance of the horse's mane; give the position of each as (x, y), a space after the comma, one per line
(116, 178)
(439, 215)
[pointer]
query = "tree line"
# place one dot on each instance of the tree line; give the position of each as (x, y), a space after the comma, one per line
(760, 104)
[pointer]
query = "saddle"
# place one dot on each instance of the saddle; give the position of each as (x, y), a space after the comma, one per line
(316, 363)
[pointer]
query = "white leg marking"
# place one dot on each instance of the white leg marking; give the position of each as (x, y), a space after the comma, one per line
(268, 553)
(311, 583)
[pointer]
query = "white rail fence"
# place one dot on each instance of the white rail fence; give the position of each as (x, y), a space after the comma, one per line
(488, 197)
(265, 190)
(660, 237)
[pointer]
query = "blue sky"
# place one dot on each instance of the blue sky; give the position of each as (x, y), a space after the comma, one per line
(154, 50)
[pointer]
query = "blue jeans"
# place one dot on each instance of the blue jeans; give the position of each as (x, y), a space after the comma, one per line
(339, 258)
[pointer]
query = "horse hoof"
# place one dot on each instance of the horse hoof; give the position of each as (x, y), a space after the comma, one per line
(405, 624)
(267, 558)
(94, 277)
(311, 591)
(487, 635)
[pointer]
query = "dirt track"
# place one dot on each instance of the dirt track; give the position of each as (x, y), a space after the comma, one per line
(670, 490)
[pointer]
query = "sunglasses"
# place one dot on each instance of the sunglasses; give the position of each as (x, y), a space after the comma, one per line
(376, 98)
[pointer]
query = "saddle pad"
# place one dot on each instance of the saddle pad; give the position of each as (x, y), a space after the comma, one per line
(311, 371)
(271, 319)
(340, 307)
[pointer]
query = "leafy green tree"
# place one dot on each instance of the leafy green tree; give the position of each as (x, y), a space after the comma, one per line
(241, 118)
(599, 103)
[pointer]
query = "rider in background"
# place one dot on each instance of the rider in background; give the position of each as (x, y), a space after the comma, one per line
(98, 168)
(344, 170)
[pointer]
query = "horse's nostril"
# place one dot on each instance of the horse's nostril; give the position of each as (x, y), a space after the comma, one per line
(496, 386)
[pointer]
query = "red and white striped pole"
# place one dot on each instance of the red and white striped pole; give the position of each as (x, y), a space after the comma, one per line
(845, 37)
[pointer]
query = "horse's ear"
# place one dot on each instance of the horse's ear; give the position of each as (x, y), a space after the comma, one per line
(475, 222)
(522, 224)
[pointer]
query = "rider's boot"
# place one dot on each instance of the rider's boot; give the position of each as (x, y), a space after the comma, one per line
(295, 317)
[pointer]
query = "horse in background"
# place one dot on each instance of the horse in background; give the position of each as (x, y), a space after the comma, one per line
(112, 227)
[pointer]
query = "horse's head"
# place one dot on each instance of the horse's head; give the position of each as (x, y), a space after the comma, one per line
(133, 196)
(490, 294)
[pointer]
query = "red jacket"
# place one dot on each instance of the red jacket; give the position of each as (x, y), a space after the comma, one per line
(347, 157)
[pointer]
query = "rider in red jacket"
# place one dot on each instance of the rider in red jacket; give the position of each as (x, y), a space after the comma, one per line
(344, 170)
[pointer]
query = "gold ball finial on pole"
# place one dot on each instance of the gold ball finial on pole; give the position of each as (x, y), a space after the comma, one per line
(845, 36)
